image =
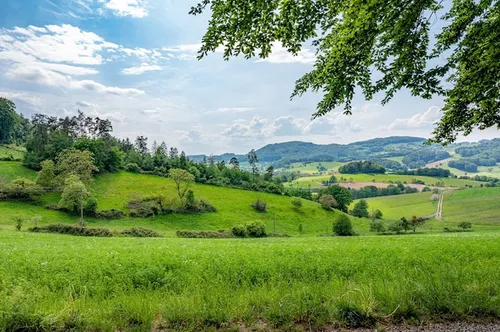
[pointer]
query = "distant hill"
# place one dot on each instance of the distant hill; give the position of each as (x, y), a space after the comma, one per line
(280, 154)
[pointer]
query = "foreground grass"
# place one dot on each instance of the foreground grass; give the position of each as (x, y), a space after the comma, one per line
(54, 281)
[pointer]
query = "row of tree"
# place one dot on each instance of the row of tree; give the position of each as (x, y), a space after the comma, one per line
(358, 167)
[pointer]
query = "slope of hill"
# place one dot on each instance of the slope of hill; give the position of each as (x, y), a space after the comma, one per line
(114, 190)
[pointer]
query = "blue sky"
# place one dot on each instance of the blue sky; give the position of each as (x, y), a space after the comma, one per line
(133, 61)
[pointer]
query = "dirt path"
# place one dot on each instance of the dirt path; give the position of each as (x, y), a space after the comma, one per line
(438, 327)
(439, 212)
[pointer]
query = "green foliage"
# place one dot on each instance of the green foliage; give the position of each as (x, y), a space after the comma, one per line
(20, 188)
(377, 226)
(256, 229)
(296, 203)
(204, 234)
(18, 221)
(405, 224)
(73, 230)
(301, 229)
(133, 167)
(140, 232)
(183, 180)
(327, 201)
(75, 162)
(360, 209)
(259, 205)
(377, 214)
(357, 167)
(45, 177)
(372, 50)
(464, 225)
(239, 231)
(396, 227)
(110, 214)
(342, 196)
(342, 226)
(13, 127)
(75, 196)
(416, 222)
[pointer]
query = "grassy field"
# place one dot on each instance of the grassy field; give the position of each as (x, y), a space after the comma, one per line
(480, 206)
(11, 150)
(395, 207)
(9, 170)
(311, 168)
(315, 181)
(493, 171)
(233, 205)
(51, 282)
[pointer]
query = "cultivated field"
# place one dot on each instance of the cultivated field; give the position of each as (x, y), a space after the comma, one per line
(63, 282)
(315, 181)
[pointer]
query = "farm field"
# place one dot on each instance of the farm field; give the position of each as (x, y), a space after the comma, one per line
(311, 168)
(62, 282)
(480, 206)
(408, 205)
(315, 181)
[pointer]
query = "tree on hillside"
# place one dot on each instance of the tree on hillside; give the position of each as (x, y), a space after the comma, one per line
(141, 145)
(416, 222)
(183, 180)
(327, 201)
(75, 162)
(269, 173)
(342, 226)
(360, 209)
(342, 196)
(234, 163)
(76, 198)
(376, 47)
(13, 127)
(45, 176)
(253, 160)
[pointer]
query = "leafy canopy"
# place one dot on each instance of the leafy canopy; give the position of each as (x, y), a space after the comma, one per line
(376, 46)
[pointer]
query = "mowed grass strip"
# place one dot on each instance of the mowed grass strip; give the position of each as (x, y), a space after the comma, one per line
(62, 282)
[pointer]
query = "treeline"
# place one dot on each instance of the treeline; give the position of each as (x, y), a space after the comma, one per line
(422, 157)
(373, 191)
(13, 127)
(358, 167)
(434, 172)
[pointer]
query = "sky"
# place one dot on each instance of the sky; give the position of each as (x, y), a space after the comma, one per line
(134, 62)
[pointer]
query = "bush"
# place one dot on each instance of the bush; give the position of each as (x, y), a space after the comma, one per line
(465, 225)
(239, 231)
(20, 188)
(140, 232)
(343, 226)
(206, 206)
(396, 227)
(260, 205)
(296, 203)
(360, 209)
(19, 222)
(73, 230)
(204, 234)
(377, 214)
(133, 167)
(110, 214)
(256, 229)
(377, 226)
(327, 202)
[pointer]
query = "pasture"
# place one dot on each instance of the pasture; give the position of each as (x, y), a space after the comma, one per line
(62, 282)
(312, 168)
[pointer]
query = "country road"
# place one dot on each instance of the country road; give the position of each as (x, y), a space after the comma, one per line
(439, 212)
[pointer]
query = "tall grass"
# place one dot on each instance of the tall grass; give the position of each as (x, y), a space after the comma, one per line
(53, 281)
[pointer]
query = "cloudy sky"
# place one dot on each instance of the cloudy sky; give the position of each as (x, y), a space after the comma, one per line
(133, 61)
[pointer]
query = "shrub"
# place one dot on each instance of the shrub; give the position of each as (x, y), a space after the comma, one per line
(465, 225)
(19, 222)
(377, 226)
(301, 229)
(20, 188)
(73, 230)
(256, 229)
(204, 234)
(396, 227)
(35, 220)
(239, 231)
(148, 208)
(296, 203)
(140, 232)
(91, 204)
(110, 214)
(377, 214)
(426, 189)
(260, 205)
(133, 167)
(360, 209)
(342, 226)
(206, 206)
(327, 201)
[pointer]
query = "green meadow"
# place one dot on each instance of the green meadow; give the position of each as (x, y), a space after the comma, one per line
(57, 282)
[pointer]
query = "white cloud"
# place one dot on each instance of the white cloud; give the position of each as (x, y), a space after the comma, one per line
(133, 8)
(141, 69)
(30, 100)
(289, 126)
(188, 48)
(418, 120)
(152, 111)
(233, 110)
(43, 76)
(257, 127)
(83, 103)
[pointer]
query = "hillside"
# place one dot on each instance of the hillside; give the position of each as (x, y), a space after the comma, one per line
(114, 190)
